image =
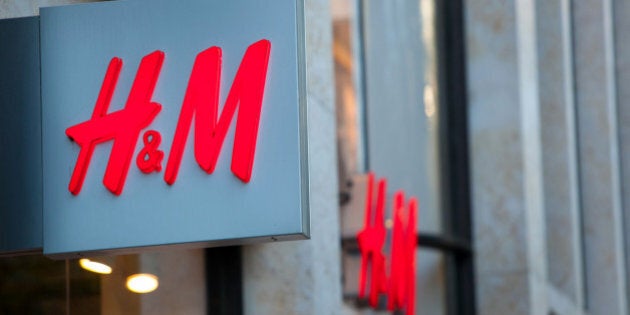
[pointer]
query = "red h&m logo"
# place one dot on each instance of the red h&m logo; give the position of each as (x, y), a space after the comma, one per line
(400, 286)
(200, 102)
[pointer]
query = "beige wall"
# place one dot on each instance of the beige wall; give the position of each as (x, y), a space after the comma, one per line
(545, 134)
(303, 277)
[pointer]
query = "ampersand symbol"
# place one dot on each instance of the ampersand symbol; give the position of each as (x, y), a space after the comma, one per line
(150, 158)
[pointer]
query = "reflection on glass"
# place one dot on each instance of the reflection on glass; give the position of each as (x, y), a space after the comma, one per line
(348, 112)
(429, 101)
(173, 283)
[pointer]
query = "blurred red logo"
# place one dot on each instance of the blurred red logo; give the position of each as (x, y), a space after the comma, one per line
(399, 285)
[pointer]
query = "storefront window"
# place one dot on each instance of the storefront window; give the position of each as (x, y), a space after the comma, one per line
(168, 282)
(37, 285)
(396, 118)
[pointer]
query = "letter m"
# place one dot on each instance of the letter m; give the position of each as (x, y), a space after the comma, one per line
(202, 100)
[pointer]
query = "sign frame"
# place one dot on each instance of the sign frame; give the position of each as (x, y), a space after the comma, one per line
(64, 223)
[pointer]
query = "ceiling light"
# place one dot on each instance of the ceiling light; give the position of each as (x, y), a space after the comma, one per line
(142, 283)
(95, 266)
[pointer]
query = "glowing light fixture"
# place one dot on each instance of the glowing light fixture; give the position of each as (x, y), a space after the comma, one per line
(142, 283)
(95, 266)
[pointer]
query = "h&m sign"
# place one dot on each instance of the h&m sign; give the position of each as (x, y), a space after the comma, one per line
(210, 74)
(201, 102)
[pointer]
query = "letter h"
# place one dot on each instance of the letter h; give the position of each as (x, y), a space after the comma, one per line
(122, 126)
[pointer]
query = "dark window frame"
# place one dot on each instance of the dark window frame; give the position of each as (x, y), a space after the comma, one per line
(458, 245)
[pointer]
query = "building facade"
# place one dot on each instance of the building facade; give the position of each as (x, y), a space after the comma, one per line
(508, 120)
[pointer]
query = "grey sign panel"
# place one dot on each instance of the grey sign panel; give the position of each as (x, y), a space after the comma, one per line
(20, 137)
(199, 209)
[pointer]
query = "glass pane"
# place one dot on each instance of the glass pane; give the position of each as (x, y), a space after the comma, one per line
(130, 288)
(402, 114)
(349, 113)
(32, 285)
(170, 282)
(430, 280)
(387, 122)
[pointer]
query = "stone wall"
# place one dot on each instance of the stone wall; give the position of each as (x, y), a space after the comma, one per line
(546, 128)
